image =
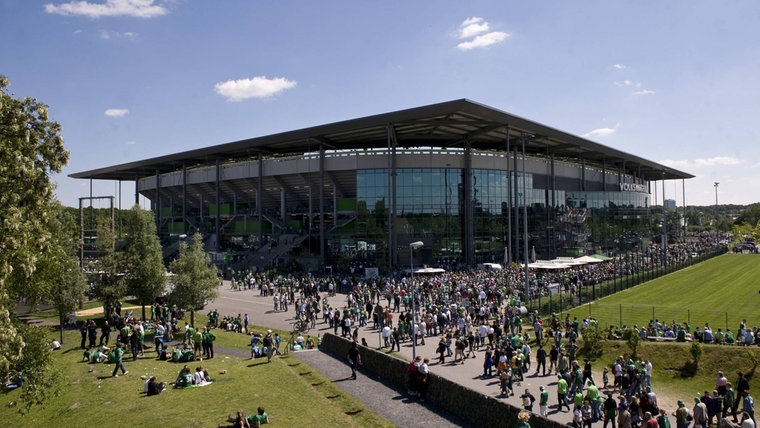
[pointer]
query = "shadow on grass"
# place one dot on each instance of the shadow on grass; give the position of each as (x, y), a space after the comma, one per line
(258, 362)
(687, 370)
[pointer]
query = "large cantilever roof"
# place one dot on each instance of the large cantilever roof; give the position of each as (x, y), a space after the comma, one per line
(451, 124)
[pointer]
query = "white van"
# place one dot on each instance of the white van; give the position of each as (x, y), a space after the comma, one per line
(490, 266)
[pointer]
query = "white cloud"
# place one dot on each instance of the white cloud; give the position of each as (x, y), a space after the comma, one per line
(133, 8)
(619, 66)
(472, 26)
(131, 143)
(702, 162)
(257, 87)
(477, 30)
(484, 40)
(116, 112)
(600, 133)
(644, 92)
(624, 83)
(108, 35)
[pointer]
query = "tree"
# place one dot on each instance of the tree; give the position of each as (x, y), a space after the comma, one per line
(593, 341)
(31, 149)
(633, 340)
(145, 274)
(195, 278)
(41, 380)
(58, 272)
(749, 216)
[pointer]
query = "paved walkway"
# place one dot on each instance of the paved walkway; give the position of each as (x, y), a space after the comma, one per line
(261, 311)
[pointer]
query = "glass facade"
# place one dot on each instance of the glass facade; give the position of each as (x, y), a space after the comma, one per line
(430, 207)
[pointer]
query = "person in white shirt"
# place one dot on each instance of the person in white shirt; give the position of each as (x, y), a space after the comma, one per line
(747, 421)
(386, 336)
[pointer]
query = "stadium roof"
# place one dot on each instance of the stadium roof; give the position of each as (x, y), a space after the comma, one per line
(451, 124)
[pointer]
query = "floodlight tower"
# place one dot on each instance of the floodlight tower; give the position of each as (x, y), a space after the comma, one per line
(716, 194)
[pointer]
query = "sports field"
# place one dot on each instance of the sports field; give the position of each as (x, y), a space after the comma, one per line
(721, 291)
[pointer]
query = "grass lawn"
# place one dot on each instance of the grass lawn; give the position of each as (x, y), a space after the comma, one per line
(669, 359)
(721, 291)
(292, 393)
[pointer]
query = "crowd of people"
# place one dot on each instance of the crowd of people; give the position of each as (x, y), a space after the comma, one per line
(464, 311)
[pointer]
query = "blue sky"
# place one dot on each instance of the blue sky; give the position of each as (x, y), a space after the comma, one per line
(676, 82)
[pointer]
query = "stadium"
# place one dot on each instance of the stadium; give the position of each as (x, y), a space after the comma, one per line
(474, 184)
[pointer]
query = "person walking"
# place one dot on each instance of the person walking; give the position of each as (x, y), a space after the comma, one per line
(610, 410)
(207, 339)
(105, 333)
(748, 405)
(527, 400)
(561, 393)
(541, 361)
(118, 353)
(422, 379)
(699, 412)
(354, 359)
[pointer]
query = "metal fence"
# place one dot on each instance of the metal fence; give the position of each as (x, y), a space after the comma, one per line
(629, 314)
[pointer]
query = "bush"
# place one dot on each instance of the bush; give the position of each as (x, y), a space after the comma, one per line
(592, 341)
(633, 341)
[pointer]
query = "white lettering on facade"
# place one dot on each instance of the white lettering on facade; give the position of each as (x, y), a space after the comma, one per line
(632, 187)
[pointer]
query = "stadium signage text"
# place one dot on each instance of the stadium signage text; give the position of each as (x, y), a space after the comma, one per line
(632, 187)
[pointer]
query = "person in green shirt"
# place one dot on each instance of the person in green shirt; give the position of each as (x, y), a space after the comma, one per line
(561, 393)
(261, 417)
(543, 401)
(208, 343)
(522, 419)
(117, 354)
(578, 399)
(592, 393)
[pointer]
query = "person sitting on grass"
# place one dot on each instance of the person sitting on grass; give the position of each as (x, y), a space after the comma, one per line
(239, 421)
(261, 417)
(201, 377)
(184, 378)
(154, 387)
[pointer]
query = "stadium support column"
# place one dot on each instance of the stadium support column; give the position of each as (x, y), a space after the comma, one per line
(508, 238)
(664, 228)
(553, 210)
(526, 259)
(137, 190)
(184, 197)
(217, 183)
(119, 231)
(469, 228)
(392, 239)
(260, 198)
(157, 206)
(683, 198)
(516, 205)
(322, 203)
(282, 206)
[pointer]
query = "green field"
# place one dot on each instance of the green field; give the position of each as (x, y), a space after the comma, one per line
(291, 391)
(721, 291)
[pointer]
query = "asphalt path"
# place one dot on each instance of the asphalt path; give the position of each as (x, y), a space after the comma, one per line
(260, 310)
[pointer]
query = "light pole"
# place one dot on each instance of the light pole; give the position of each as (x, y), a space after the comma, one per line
(413, 246)
(716, 194)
